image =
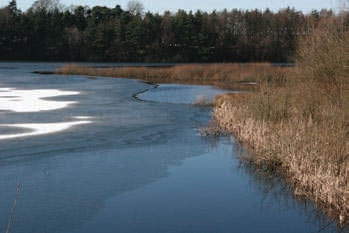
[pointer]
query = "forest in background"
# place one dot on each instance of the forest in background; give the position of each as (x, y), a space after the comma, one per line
(48, 31)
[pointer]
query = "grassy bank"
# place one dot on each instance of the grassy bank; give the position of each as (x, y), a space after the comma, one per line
(300, 126)
(221, 75)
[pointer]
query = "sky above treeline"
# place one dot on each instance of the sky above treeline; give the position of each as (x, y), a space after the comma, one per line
(205, 5)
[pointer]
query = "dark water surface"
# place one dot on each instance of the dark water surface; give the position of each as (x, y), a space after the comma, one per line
(140, 166)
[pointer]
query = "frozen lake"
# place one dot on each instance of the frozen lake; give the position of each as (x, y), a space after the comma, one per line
(119, 155)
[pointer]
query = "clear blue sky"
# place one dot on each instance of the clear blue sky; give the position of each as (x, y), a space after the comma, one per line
(207, 5)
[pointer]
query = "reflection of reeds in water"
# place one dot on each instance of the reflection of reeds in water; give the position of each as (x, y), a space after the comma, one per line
(275, 187)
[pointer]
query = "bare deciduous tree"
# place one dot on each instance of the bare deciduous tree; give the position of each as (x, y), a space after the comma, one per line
(343, 5)
(135, 7)
(47, 5)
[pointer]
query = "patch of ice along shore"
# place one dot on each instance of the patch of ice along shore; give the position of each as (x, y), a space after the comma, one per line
(41, 128)
(32, 100)
(21, 101)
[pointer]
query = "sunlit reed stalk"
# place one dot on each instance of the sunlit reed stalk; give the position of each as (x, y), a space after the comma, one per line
(13, 210)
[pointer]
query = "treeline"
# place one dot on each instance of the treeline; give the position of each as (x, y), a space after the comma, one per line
(47, 31)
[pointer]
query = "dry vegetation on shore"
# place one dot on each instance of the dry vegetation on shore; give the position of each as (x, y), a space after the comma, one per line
(300, 125)
(221, 75)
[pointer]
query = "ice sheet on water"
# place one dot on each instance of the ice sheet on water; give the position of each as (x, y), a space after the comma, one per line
(23, 101)
(33, 100)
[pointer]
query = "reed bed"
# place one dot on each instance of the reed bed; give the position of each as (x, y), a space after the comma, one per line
(298, 124)
(222, 75)
(312, 154)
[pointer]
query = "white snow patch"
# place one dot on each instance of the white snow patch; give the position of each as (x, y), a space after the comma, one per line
(22, 101)
(41, 128)
(32, 100)
(82, 117)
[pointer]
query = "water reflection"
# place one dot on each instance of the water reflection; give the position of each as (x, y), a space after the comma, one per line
(274, 187)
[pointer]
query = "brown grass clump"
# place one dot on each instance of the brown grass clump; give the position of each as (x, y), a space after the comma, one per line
(298, 124)
(222, 75)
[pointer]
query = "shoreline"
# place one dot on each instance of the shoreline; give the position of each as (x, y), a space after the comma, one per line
(234, 114)
(264, 142)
